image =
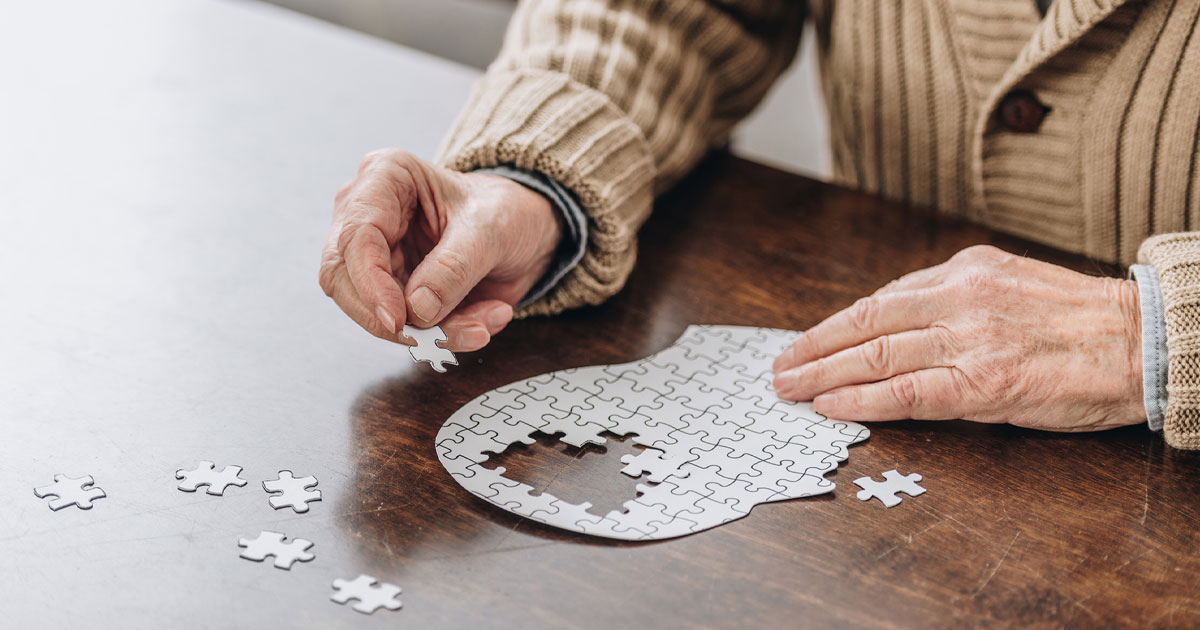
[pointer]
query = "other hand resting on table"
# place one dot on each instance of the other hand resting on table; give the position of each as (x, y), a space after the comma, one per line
(986, 336)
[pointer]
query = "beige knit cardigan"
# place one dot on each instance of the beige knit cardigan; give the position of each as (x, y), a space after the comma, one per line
(616, 99)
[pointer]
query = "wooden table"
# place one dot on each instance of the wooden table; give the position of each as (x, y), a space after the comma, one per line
(166, 176)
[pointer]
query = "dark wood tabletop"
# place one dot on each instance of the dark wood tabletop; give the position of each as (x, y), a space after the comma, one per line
(161, 307)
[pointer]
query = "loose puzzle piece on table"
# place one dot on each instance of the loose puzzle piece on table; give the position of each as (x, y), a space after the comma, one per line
(717, 439)
(428, 348)
(887, 489)
(206, 474)
(370, 596)
(291, 491)
(272, 544)
(67, 491)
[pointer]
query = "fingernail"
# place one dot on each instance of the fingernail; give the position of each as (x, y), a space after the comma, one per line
(825, 402)
(425, 304)
(385, 318)
(473, 338)
(498, 317)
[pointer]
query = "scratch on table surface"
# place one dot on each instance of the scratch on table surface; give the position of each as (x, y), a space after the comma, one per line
(1145, 504)
(997, 567)
(484, 552)
(385, 463)
(1077, 602)
(908, 539)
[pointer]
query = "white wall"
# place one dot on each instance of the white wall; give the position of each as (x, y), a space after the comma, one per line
(788, 130)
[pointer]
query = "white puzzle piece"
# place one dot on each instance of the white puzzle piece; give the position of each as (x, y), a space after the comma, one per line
(370, 596)
(717, 440)
(206, 474)
(67, 491)
(272, 544)
(291, 491)
(428, 348)
(886, 490)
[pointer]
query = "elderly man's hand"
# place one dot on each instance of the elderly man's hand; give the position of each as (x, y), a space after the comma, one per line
(987, 336)
(412, 241)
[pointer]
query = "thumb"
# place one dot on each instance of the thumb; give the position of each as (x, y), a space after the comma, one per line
(447, 274)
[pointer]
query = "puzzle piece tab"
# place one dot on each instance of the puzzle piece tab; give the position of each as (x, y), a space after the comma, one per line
(291, 491)
(272, 544)
(428, 348)
(206, 474)
(886, 490)
(370, 596)
(67, 491)
(653, 461)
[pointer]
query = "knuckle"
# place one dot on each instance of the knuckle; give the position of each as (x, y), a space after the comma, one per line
(863, 313)
(456, 266)
(892, 285)
(806, 347)
(979, 254)
(818, 373)
(904, 390)
(976, 280)
(945, 341)
(343, 191)
(384, 156)
(326, 276)
(876, 354)
(346, 236)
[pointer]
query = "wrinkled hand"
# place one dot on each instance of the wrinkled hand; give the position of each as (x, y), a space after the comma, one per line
(986, 336)
(414, 242)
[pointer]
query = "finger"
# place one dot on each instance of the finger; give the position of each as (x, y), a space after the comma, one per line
(471, 327)
(866, 319)
(341, 289)
(369, 263)
(920, 279)
(933, 394)
(448, 272)
(876, 360)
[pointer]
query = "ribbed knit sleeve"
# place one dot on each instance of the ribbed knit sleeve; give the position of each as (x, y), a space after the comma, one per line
(615, 100)
(1176, 257)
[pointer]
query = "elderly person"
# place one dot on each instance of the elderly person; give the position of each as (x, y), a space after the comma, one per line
(1074, 123)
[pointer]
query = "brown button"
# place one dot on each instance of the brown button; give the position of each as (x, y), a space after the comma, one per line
(1020, 111)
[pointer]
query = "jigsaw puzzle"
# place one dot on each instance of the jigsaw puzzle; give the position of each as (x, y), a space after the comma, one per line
(67, 491)
(428, 348)
(272, 544)
(291, 491)
(887, 489)
(206, 474)
(370, 596)
(718, 440)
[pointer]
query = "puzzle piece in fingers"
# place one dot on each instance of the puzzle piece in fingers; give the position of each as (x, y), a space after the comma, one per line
(429, 348)
(370, 595)
(206, 474)
(291, 491)
(269, 544)
(717, 440)
(893, 483)
(67, 491)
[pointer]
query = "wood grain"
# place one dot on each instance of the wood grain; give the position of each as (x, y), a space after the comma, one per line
(165, 194)
(1017, 529)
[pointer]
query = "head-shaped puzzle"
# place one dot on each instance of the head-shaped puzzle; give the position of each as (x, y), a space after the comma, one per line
(718, 440)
